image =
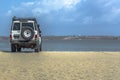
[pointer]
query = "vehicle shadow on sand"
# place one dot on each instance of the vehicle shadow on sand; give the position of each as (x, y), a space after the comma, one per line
(18, 52)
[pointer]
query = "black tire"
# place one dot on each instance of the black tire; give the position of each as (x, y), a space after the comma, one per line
(19, 49)
(41, 46)
(37, 49)
(13, 48)
(30, 30)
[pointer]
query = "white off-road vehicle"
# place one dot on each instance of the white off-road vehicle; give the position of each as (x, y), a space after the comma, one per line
(25, 33)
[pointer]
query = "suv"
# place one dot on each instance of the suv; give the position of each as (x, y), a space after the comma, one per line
(25, 33)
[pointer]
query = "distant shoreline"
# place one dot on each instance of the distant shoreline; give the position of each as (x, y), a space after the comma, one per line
(80, 37)
(71, 37)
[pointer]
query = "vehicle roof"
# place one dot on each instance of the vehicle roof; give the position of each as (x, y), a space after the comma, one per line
(24, 19)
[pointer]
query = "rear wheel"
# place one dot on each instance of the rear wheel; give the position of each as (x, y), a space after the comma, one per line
(37, 49)
(13, 48)
(41, 47)
(19, 49)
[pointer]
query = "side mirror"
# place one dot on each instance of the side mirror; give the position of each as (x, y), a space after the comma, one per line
(39, 27)
(40, 31)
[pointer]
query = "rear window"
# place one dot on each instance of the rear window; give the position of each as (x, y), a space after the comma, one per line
(16, 26)
(28, 25)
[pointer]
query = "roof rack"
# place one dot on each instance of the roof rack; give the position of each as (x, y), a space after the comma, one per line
(23, 19)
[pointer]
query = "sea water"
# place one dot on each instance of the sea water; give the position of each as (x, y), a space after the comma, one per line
(73, 45)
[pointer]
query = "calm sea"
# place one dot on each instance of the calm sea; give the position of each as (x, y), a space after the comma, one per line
(74, 45)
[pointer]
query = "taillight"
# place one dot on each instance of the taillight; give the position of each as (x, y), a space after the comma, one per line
(10, 37)
(36, 36)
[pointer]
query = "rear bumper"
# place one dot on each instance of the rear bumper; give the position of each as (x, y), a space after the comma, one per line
(24, 44)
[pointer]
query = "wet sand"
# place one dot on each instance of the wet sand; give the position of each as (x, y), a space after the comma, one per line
(60, 66)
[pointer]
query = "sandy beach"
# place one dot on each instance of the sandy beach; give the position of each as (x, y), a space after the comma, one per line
(60, 66)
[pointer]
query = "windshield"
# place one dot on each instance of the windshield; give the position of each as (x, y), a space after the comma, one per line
(16, 26)
(28, 25)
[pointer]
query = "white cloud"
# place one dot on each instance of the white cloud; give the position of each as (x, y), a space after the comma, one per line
(106, 2)
(55, 14)
(39, 11)
(112, 15)
(70, 3)
(9, 13)
(88, 20)
(112, 3)
(116, 11)
(45, 6)
(109, 3)
(28, 4)
(109, 9)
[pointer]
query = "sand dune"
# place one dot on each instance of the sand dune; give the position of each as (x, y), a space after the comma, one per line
(60, 66)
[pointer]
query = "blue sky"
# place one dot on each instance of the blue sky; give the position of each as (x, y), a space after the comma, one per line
(65, 17)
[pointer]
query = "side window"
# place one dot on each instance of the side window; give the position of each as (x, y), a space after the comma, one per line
(16, 26)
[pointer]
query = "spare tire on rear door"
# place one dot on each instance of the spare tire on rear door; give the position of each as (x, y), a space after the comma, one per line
(27, 33)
